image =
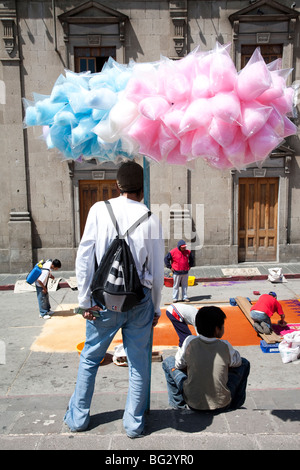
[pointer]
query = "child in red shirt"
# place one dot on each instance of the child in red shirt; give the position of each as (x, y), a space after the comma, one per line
(263, 310)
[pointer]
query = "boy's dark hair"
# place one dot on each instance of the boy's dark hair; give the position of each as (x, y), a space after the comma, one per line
(207, 319)
(56, 263)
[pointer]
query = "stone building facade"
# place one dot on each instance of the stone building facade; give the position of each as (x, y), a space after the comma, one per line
(227, 216)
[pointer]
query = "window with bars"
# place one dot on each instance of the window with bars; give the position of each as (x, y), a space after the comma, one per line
(92, 58)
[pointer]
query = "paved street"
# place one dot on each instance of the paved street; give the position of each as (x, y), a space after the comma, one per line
(36, 386)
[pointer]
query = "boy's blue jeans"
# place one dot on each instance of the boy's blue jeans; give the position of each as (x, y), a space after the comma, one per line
(237, 383)
(43, 300)
(136, 325)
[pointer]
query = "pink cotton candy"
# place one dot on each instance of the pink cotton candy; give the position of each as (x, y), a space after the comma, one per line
(166, 140)
(235, 152)
(204, 145)
(177, 87)
(276, 122)
(186, 142)
(204, 63)
(254, 78)
(254, 117)
(172, 119)
(198, 114)
(153, 107)
(222, 132)
(263, 142)
(188, 65)
(176, 157)
(223, 73)
(284, 104)
(201, 87)
(137, 89)
(145, 132)
(275, 91)
(226, 106)
(220, 162)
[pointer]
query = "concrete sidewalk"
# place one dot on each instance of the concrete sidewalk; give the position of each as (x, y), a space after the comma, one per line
(249, 271)
(36, 386)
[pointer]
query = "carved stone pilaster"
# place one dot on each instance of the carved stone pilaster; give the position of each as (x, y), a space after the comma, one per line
(178, 13)
(8, 17)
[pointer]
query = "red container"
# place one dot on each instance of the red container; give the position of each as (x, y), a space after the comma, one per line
(168, 281)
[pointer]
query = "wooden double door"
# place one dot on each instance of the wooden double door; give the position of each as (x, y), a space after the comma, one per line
(92, 191)
(258, 219)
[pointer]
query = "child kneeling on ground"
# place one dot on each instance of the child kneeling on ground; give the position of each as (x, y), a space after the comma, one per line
(207, 373)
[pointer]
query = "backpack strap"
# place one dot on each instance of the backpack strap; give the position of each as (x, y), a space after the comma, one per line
(112, 216)
(137, 223)
(133, 226)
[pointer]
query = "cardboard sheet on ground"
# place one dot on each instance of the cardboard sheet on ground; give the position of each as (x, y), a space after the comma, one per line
(23, 286)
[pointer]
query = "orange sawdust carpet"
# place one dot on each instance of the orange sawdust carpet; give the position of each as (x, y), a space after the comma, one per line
(238, 330)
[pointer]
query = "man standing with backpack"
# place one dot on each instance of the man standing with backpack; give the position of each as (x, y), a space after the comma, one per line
(147, 249)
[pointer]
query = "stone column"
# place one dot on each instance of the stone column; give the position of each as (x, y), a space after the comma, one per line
(14, 152)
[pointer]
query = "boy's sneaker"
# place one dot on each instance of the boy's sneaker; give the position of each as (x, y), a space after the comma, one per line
(45, 317)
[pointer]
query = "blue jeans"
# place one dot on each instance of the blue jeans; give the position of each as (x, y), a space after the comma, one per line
(43, 300)
(237, 383)
(136, 325)
(260, 317)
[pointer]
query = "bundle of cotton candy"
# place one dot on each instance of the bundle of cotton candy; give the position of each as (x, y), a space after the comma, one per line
(77, 104)
(173, 111)
(201, 107)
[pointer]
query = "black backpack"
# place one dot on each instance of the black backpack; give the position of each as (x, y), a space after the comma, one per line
(116, 284)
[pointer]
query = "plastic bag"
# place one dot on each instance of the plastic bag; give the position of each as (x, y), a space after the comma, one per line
(275, 275)
(289, 347)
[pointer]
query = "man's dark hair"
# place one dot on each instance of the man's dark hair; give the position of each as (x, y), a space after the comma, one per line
(56, 263)
(207, 319)
(138, 192)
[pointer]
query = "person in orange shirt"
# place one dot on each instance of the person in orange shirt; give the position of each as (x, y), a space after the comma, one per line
(263, 310)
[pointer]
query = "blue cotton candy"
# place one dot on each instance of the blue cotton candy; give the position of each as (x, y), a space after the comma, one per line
(46, 111)
(122, 79)
(77, 102)
(59, 136)
(101, 80)
(104, 98)
(79, 79)
(30, 116)
(65, 118)
(82, 132)
(98, 114)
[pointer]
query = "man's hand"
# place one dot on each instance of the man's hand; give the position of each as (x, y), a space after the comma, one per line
(155, 320)
(282, 321)
(91, 313)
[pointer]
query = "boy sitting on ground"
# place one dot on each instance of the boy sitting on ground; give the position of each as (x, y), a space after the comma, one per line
(207, 373)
